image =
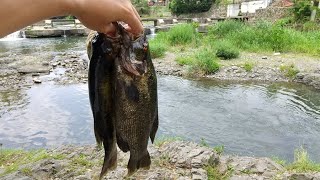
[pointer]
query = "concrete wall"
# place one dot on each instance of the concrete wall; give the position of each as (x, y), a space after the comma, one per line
(247, 7)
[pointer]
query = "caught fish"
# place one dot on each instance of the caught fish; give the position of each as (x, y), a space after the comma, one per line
(100, 82)
(136, 106)
(123, 96)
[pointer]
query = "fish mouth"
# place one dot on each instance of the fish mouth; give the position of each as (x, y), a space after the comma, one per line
(133, 63)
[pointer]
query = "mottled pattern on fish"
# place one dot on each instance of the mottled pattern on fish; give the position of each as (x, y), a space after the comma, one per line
(136, 104)
(123, 96)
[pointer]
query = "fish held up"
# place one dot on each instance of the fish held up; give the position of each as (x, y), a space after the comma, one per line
(123, 96)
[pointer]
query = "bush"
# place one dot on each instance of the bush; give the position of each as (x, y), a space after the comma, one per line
(181, 34)
(227, 51)
(302, 10)
(191, 6)
(205, 62)
(141, 6)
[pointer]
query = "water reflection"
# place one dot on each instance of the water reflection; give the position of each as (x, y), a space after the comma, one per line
(49, 45)
(248, 118)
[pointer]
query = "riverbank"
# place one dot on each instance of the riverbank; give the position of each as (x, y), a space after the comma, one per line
(19, 71)
(170, 160)
(263, 67)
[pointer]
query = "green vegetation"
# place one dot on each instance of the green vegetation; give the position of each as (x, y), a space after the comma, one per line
(190, 6)
(205, 62)
(302, 10)
(141, 6)
(159, 141)
(278, 160)
(302, 162)
(264, 36)
(290, 71)
(184, 60)
(226, 50)
(12, 159)
(214, 174)
(201, 53)
(248, 66)
(181, 35)
(203, 143)
(219, 149)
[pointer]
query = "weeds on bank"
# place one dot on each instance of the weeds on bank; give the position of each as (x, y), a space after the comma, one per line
(289, 71)
(248, 66)
(226, 39)
(302, 162)
(214, 174)
(12, 159)
(159, 141)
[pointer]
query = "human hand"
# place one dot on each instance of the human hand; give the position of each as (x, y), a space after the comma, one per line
(99, 14)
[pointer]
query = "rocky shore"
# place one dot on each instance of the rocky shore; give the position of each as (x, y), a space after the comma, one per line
(18, 71)
(170, 160)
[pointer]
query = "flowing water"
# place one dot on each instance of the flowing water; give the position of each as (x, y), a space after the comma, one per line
(255, 119)
(248, 119)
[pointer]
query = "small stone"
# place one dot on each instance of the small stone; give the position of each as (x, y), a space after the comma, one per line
(37, 80)
(276, 54)
(45, 64)
(55, 64)
(264, 57)
(199, 174)
(36, 74)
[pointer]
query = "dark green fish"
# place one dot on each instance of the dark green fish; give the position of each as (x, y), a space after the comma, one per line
(123, 96)
(136, 106)
(100, 81)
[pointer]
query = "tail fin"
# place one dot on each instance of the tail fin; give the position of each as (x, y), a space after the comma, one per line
(134, 165)
(110, 159)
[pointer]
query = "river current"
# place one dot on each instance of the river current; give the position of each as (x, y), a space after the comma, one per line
(255, 119)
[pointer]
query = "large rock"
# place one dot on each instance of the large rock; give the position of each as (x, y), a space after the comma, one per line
(312, 79)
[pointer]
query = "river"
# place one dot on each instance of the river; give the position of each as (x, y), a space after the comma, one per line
(254, 119)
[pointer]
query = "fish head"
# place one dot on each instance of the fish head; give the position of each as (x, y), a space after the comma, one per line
(135, 52)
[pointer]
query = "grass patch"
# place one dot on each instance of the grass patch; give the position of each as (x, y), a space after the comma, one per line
(279, 160)
(219, 149)
(26, 171)
(302, 162)
(206, 62)
(157, 49)
(227, 50)
(165, 139)
(12, 159)
(184, 60)
(214, 174)
(264, 36)
(289, 71)
(203, 143)
(181, 34)
(248, 66)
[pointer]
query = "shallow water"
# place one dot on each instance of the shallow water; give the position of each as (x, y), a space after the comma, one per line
(41, 45)
(247, 118)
